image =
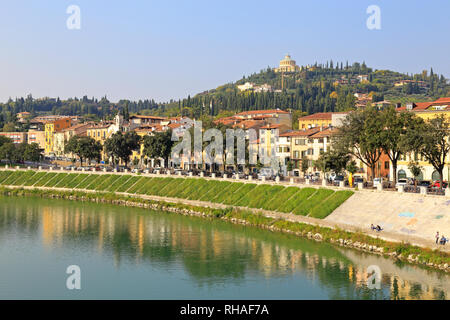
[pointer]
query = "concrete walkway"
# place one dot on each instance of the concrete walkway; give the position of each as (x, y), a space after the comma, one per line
(411, 217)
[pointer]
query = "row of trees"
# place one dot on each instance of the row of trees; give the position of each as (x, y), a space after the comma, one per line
(18, 153)
(120, 146)
(367, 134)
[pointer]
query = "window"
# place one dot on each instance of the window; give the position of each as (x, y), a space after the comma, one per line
(386, 165)
(296, 154)
(401, 174)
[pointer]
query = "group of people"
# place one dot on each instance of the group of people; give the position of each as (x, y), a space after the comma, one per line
(442, 239)
(377, 228)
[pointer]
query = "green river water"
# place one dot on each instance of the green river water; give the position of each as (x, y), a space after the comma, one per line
(129, 253)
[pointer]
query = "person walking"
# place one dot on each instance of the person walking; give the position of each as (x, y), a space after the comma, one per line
(437, 237)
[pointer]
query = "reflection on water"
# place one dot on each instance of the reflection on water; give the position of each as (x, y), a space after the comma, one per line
(190, 257)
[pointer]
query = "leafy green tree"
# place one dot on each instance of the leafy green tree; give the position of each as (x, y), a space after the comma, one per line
(415, 169)
(9, 127)
(395, 125)
(8, 152)
(332, 160)
(19, 153)
(430, 139)
(360, 136)
(351, 167)
(159, 145)
(4, 140)
(86, 148)
(305, 165)
(290, 166)
(121, 146)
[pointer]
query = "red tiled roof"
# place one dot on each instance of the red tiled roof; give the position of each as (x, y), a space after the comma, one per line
(261, 112)
(320, 116)
(271, 126)
(326, 132)
(147, 117)
(442, 100)
(300, 133)
(422, 105)
(247, 124)
(174, 125)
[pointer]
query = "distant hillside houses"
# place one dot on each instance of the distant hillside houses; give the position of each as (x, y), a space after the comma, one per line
(255, 88)
(401, 83)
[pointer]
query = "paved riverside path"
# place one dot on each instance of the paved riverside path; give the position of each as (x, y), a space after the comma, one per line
(411, 217)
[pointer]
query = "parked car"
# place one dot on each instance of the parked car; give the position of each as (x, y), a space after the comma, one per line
(424, 183)
(437, 184)
(401, 182)
(177, 171)
(337, 179)
(357, 179)
(241, 175)
(267, 173)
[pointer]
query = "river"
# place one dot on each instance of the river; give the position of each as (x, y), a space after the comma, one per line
(130, 253)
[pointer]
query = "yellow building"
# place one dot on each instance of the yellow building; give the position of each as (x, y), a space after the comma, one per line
(268, 137)
(101, 133)
(288, 65)
(37, 136)
(141, 133)
(300, 147)
(50, 128)
(426, 111)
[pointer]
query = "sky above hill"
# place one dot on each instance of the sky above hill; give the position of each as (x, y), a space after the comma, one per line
(169, 49)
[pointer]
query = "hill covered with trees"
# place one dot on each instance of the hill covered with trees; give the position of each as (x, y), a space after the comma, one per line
(317, 88)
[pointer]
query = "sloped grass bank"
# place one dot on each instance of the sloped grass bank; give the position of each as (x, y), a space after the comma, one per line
(400, 251)
(314, 202)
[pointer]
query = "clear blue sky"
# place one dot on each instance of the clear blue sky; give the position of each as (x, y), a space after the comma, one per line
(169, 49)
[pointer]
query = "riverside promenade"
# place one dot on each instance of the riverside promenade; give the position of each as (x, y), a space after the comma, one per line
(405, 217)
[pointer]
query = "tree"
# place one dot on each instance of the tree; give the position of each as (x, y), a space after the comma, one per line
(84, 147)
(360, 136)
(8, 152)
(332, 160)
(159, 145)
(290, 166)
(305, 165)
(19, 153)
(4, 140)
(415, 169)
(9, 127)
(351, 167)
(395, 125)
(430, 139)
(121, 145)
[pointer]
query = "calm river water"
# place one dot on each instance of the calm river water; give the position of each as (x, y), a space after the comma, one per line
(129, 253)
